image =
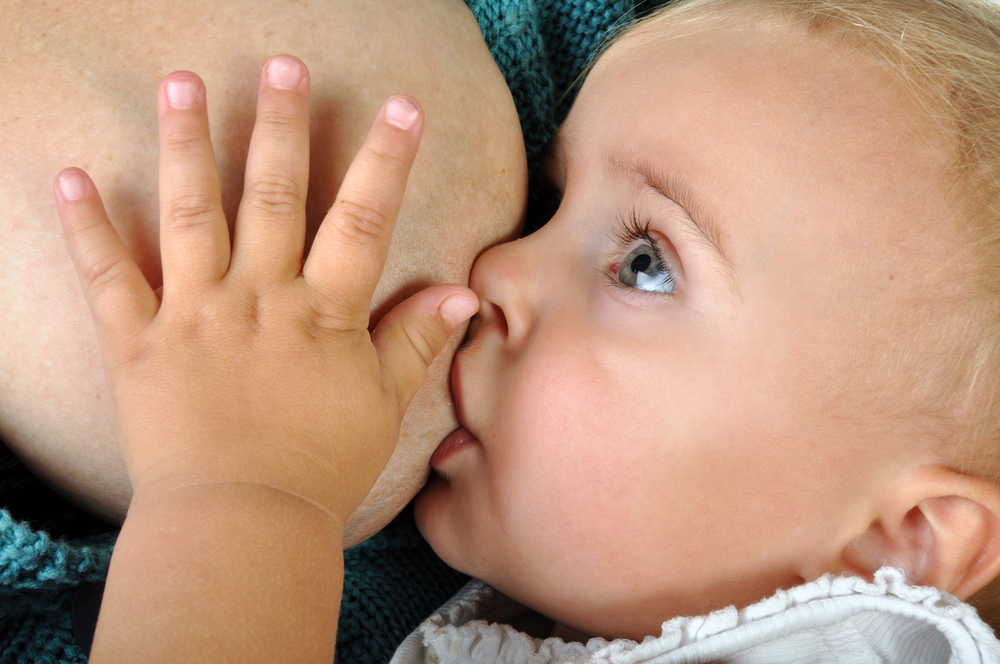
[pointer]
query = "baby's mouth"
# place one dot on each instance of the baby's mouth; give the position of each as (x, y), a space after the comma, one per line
(453, 442)
(460, 437)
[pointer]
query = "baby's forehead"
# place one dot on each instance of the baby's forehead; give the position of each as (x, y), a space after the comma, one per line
(749, 61)
(756, 35)
(752, 57)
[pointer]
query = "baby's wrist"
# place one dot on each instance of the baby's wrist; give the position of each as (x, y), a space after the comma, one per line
(230, 497)
(190, 561)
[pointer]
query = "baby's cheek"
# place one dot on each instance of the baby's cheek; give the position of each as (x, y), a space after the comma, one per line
(566, 448)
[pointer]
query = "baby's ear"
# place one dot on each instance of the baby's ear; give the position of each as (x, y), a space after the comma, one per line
(942, 528)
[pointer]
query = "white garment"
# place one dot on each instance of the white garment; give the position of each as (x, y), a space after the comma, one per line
(833, 619)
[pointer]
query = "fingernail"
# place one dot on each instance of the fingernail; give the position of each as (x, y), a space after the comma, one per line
(459, 308)
(182, 94)
(401, 113)
(284, 73)
(72, 186)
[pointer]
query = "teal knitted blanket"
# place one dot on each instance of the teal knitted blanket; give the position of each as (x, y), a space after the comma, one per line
(393, 581)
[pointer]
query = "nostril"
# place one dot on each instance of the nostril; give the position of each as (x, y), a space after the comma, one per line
(488, 315)
(496, 312)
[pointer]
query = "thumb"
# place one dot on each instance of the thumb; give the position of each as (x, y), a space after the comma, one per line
(410, 336)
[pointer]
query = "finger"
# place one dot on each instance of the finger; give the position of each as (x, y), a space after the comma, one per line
(194, 236)
(119, 296)
(349, 251)
(271, 224)
(410, 336)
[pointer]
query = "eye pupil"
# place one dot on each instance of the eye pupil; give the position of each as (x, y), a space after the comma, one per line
(644, 269)
(641, 263)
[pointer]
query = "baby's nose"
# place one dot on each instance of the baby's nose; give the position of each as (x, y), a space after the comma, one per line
(504, 279)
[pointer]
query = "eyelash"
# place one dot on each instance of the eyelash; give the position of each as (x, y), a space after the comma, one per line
(627, 230)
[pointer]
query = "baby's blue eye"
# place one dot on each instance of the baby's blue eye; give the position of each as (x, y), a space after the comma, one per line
(643, 269)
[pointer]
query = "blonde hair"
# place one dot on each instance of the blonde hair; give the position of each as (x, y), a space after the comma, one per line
(946, 53)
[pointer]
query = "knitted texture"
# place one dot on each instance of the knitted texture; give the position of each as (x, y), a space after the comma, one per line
(541, 47)
(393, 581)
(38, 578)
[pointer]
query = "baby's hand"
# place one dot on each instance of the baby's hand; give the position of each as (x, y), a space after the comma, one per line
(254, 368)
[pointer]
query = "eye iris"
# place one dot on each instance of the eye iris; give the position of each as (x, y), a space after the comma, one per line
(641, 263)
(642, 269)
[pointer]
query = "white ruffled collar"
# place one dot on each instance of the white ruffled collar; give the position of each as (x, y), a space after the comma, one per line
(840, 619)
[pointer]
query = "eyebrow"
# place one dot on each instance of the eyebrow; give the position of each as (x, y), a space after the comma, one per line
(674, 189)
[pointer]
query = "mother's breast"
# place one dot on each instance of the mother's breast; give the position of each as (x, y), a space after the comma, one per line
(79, 89)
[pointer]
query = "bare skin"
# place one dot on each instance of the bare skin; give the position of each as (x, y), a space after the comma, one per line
(80, 89)
(276, 407)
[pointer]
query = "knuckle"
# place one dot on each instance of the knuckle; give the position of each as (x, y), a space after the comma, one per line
(182, 142)
(386, 159)
(362, 219)
(130, 348)
(326, 311)
(331, 321)
(420, 337)
(280, 121)
(86, 223)
(275, 193)
(192, 210)
(103, 272)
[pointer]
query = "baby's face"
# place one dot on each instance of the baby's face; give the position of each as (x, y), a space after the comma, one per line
(670, 387)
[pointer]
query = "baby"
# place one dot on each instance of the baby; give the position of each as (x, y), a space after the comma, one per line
(757, 342)
(755, 345)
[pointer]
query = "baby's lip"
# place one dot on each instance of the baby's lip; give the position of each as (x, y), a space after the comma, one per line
(461, 436)
(455, 441)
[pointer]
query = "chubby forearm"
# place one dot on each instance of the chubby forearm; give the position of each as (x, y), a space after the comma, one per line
(222, 573)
